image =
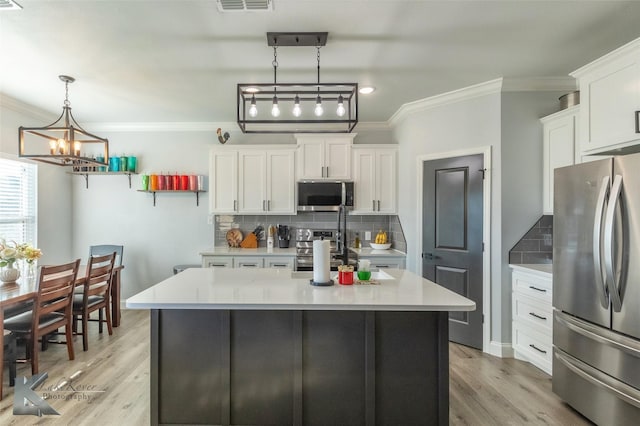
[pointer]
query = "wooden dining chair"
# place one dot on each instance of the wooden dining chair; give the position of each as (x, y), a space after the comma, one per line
(95, 295)
(10, 355)
(51, 310)
(99, 250)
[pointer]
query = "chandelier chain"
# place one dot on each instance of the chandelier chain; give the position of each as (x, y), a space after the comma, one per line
(66, 94)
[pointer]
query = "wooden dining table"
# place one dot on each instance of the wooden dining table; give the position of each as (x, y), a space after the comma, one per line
(25, 289)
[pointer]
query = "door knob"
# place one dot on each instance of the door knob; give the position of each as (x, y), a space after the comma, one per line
(429, 256)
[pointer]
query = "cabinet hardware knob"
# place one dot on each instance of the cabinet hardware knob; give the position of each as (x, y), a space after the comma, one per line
(537, 289)
(637, 121)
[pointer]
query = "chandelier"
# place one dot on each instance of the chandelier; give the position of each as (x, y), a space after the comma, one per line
(297, 107)
(63, 142)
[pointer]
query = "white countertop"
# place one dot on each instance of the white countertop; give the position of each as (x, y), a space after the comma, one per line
(271, 289)
(238, 251)
(543, 269)
(369, 252)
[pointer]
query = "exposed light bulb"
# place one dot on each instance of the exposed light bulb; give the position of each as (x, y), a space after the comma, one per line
(296, 107)
(76, 148)
(62, 146)
(52, 147)
(275, 110)
(340, 111)
(318, 111)
(253, 109)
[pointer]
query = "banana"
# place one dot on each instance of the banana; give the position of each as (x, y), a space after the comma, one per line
(381, 237)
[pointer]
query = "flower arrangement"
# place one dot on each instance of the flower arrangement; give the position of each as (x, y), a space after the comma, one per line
(10, 252)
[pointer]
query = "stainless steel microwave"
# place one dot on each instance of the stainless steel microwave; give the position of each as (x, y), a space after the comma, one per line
(324, 196)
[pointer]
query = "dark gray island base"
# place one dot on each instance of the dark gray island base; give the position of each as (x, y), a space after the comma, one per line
(299, 367)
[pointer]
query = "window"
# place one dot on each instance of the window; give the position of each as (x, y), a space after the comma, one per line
(18, 201)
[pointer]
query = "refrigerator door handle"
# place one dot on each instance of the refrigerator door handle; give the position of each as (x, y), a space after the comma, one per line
(597, 241)
(611, 280)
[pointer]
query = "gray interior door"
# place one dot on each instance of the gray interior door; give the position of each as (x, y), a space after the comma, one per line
(452, 237)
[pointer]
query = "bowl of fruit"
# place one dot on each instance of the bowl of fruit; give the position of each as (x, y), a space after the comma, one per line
(381, 241)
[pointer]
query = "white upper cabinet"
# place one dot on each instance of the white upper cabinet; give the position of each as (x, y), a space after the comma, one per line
(253, 180)
(252, 184)
(223, 181)
(610, 101)
(322, 156)
(558, 149)
(375, 179)
(280, 182)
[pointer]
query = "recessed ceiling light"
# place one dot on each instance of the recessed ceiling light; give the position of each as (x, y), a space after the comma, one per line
(365, 90)
(252, 90)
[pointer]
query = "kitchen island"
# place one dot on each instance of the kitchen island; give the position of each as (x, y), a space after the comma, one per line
(263, 347)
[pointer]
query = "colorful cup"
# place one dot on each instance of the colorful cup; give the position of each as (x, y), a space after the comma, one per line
(364, 275)
(161, 183)
(345, 278)
(145, 182)
(124, 163)
(132, 164)
(176, 182)
(114, 164)
(193, 183)
(184, 183)
(154, 182)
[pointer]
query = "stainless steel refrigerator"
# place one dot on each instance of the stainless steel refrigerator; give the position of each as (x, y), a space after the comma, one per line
(596, 289)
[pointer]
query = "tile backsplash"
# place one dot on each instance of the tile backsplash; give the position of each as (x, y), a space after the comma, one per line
(536, 246)
(316, 220)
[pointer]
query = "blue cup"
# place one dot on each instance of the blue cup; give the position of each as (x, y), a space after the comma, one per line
(114, 164)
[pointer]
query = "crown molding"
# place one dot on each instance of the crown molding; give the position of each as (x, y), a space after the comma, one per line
(186, 126)
(540, 84)
(459, 95)
(21, 107)
(498, 85)
(614, 55)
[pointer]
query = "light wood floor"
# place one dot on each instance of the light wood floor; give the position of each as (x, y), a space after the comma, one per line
(115, 373)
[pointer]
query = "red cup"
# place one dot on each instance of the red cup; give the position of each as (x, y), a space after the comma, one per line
(184, 182)
(345, 278)
(168, 184)
(162, 183)
(176, 182)
(193, 183)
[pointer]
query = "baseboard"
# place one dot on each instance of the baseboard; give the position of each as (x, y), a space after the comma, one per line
(501, 350)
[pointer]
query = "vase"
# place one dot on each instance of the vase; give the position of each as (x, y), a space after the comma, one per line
(31, 270)
(9, 274)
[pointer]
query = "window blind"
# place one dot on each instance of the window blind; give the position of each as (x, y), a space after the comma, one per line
(18, 201)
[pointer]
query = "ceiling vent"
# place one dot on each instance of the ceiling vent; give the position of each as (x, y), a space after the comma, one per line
(244, 5)
(9, 5)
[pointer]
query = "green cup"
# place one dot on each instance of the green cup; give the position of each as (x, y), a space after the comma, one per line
(364, 275)
(145, 182)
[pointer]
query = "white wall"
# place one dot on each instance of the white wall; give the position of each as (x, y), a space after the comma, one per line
(54, 185)
(154, 238)
(508, 123)
(464, 124)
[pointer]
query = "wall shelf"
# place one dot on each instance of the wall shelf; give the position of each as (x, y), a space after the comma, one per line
(86, 175)
(174, 191)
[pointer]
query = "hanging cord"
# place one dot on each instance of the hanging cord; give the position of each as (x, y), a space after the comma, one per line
(318, 48)
(275, 68)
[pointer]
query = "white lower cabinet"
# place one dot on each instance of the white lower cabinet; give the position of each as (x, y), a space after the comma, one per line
(217, 262)
(279, 262)
(282, 262)
(532, 317)
(378, 262)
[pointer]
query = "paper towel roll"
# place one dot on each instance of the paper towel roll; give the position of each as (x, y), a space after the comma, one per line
(321, 261)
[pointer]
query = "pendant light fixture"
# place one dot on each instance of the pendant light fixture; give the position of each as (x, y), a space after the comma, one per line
(63, 142)
(297, 107)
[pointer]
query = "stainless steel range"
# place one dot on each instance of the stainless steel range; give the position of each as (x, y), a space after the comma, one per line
(304, 248)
